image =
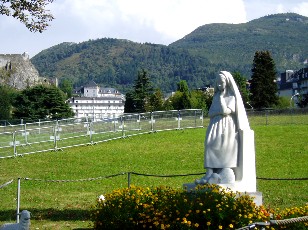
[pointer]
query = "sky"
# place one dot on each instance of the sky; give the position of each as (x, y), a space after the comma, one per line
(152, 21)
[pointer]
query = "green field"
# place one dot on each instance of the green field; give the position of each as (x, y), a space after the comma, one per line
(281, 152)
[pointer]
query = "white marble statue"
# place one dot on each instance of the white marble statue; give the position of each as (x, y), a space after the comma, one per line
(223, 146)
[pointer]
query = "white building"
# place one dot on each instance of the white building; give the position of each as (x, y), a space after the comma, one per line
(96, 102)
(293, 82)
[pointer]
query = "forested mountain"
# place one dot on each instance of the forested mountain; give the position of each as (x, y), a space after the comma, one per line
(114, 62)
(196, 58)
(234, 45)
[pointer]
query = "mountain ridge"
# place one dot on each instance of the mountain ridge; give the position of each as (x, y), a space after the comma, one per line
(196, 58)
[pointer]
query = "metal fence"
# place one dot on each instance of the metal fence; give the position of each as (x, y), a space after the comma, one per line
(278, 117)
(42, 136)
(16, 140)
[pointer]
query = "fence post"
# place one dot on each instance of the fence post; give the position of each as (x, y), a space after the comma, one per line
(90, 132)
(55, 138)
(114, 123)
(26, 134)
(179, 118)
(14, 144)
(128, 179)
(152, 122)
(39, 124)
(195, 118)
(139, 121)
(18, 200)
(122, 125)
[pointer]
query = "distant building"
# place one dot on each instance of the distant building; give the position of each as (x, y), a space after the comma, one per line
(293, 82)
(96, 102)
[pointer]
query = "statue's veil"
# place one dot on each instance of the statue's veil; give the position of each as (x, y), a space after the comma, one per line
(241, 116)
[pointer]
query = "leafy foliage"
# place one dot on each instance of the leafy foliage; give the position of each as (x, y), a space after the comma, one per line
(32, 13)
(263, 86)
(6, 94)
(41, 102)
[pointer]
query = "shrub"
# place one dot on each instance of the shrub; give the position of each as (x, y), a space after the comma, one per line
(209, 207)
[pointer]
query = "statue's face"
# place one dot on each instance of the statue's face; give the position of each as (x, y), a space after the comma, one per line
(221, 83)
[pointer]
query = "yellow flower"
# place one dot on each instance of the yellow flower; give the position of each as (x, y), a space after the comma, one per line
(219, 227)
(208, 223)
(196, 225)
(230, 225)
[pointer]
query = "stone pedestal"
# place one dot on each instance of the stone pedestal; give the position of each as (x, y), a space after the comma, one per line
(257, 196)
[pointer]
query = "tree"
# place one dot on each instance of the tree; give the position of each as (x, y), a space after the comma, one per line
(201, 100)
(138, 100)
(156, 101)
(242, 86)
(6, 95)
(263, 87)
(181, 99)
(32, 13)
(129, 106)
(67, 87)
(41, 102)
(185, 99)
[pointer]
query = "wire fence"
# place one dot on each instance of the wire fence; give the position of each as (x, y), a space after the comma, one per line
(21, 139)
(42, 136)
(256, 225)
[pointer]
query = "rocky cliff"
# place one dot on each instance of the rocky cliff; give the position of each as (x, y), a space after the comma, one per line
(17, 71)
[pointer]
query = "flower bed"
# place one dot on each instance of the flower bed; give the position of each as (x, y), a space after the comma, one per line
(210, 207)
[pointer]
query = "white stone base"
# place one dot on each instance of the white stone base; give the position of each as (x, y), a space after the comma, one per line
(257, 196)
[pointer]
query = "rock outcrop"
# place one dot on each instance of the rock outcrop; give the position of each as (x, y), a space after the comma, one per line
(16, 70)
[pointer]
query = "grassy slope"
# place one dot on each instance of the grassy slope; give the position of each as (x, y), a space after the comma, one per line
(281, 151)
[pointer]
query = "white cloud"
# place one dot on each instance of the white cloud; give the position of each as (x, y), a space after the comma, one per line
(170, 19)
(155, 21)
(301, 8)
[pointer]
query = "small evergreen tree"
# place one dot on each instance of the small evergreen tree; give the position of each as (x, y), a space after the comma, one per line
(129, 106)
(263, 88)
(138, 100)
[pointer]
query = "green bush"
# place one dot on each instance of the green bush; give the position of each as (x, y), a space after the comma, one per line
(210, 207)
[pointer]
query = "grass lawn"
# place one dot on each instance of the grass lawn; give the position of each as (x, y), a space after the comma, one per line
(281, 152)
